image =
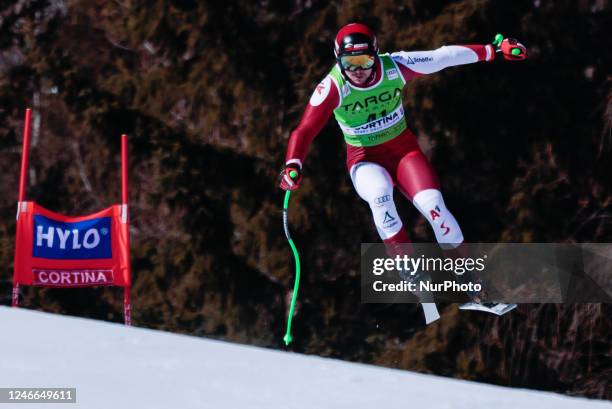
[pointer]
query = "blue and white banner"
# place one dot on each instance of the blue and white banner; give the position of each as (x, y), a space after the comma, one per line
(89, 239)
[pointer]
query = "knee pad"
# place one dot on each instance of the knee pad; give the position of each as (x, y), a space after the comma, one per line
(385, 215)
(431, 205)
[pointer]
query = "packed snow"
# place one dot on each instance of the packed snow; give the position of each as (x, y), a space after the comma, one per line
(113, 366)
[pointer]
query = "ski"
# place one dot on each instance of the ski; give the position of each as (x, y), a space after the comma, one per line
(430, 310)
(490, 307)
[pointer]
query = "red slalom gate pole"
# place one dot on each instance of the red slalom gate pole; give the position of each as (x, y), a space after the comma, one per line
(15, 295)
(23, 181)
(124, 170)
(23, 177)
(127, 305)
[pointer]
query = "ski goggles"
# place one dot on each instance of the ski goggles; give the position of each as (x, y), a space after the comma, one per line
(357, 62)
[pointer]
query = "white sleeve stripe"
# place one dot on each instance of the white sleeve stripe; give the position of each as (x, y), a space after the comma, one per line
(299, 162)
(490, 52)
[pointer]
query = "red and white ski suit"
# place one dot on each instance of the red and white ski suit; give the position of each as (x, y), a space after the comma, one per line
(375, 170)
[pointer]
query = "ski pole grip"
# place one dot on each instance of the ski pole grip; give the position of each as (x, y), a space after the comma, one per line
(293, 174)
(498, 40)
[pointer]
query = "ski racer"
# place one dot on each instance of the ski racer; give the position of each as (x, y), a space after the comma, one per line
(363, 91)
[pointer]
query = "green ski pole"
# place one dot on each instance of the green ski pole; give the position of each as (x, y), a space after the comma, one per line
(288, 338)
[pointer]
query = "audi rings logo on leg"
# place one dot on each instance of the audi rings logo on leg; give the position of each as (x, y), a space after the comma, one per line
(382, 199)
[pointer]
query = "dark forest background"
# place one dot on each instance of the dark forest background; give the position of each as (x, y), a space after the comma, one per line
(209, 91)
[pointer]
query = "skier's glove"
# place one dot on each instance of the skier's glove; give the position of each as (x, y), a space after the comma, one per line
(286, 181)
(510, 48)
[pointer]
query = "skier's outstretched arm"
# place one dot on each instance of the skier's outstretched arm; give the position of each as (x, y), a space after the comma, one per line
(323, 101)
(416, 63)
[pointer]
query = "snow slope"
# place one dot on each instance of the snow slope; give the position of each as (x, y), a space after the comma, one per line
(117, 367)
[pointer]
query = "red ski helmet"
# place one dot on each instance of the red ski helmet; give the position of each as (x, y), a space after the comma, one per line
(355, 39)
